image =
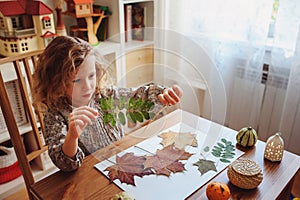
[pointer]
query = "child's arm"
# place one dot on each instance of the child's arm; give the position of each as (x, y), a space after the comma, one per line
(154, 92)
(56, 126)
(158, 94)
(78, 120)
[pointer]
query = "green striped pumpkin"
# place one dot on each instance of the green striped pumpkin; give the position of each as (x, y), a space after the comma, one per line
(246, 137)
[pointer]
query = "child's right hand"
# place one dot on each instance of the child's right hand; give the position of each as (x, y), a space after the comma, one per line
(79, 119)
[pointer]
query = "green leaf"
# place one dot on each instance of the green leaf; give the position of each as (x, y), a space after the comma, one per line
(131, 117)
(216, 153)
(224, 160)
(205, 165)
(113, 122)
(146, 115)
(121, 103)
(224, 140)
(151, 114)
(103, 104)
(206, 149)
(122, 118)
(227, 156)
(108, 118)
(138, 116)
(110, 103)
(218, 148)
(229, 148)
(151, 106)
(130, 103)
(220, 145)
(137, 104)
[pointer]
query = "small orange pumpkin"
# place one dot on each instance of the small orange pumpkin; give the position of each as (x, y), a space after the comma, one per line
(217, 191)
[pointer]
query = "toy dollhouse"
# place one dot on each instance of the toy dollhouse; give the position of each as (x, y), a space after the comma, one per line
(88, 19)
(25, 25)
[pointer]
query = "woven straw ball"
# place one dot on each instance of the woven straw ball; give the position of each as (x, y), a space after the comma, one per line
(245, 173)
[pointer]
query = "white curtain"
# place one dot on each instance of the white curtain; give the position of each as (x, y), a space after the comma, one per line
(259, 70)
(285, 74)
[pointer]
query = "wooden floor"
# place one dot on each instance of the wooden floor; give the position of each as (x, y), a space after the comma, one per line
(23, 193)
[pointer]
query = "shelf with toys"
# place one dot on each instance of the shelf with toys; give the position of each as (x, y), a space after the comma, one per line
(131, 26)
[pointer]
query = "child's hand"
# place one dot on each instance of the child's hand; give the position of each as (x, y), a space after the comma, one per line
(171, 96)
(80, 118)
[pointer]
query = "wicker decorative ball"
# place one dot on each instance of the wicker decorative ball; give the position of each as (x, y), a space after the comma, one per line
(245, 173)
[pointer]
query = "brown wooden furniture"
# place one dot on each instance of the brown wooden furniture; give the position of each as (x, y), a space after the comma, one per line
(24, 65)
(88, 183)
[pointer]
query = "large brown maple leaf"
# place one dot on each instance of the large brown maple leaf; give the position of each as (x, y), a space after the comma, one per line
(180, 140)
(166, 160)
(126, 167)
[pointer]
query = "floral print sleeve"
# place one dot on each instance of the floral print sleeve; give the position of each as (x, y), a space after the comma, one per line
(56, 130)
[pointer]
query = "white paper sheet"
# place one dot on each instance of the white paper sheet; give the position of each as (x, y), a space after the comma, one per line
(178, 185)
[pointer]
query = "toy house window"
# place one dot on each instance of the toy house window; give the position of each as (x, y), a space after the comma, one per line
(46, 22)
(24, 46)
(5, 47)
(15, 22)
(2, 25)
(14, 48)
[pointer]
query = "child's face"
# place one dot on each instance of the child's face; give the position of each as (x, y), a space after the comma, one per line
(82, 87)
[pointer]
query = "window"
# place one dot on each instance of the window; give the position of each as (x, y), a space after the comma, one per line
(5, 47)
(24, 46)
(14, 48)
(2, 25)
(14, 22)
(17, 22)
(46, 22)
(20, 22)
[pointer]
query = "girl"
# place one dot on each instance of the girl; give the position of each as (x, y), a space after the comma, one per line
(68, 85)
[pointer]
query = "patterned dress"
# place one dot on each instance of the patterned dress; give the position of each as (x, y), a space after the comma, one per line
(95, 136)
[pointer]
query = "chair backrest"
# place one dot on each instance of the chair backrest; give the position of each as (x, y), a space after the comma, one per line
(24, 65)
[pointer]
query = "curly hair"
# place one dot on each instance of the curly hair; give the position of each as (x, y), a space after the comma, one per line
(56, 68)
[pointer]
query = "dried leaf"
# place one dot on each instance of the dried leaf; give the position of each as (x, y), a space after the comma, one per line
(126, 167)
(205, 166)
(166, 160)
(180, 140)
(224, 150)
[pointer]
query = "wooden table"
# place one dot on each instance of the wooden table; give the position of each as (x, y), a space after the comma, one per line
(88, 183)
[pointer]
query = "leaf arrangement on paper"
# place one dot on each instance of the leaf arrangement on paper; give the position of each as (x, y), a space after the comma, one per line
(223, 150)
(163, 162)
(168, 160)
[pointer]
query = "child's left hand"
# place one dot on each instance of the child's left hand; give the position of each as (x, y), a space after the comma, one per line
(171, 96)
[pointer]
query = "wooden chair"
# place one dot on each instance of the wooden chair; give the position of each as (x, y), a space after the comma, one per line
(24, 65)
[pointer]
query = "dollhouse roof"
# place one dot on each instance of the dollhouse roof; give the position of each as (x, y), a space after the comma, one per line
(9, 8)
(48, 34)
(37, 8)
(19, 7)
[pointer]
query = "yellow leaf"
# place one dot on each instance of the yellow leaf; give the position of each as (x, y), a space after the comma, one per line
(180, 140)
